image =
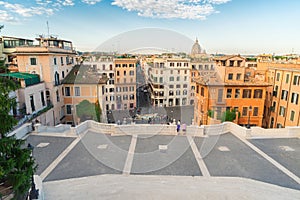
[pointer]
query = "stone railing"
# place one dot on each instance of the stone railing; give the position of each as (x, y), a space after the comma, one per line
(158, 129)
(61, 128)
(288, 132)
(22, 131)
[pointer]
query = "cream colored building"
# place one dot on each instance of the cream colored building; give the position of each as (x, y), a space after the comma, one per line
(169, 81)
(52, 59)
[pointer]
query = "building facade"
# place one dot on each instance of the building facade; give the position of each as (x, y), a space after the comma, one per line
(234, 88)
(52, 59)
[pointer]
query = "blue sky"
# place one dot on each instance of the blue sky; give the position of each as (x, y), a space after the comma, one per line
(222, 26)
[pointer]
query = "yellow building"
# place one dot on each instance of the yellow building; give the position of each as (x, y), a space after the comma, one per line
(282, 105)
(82, 83)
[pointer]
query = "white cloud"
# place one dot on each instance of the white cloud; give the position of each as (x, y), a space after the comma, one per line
(5, 17)
(11, 10)
(183, 9)
(91, 2)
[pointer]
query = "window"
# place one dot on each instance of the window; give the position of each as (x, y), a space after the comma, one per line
(292, 117)
(125, 89)
(278, 77)
(258, 94)
(229, 93)
(131, 73)
(184, 92)
(118, 73)
(171, 93)
(161, 80)
(247, 93)
(172, 78)
(124, 73)
(255, 111)
(237, 93)
(54, 61)
(155, 79)
(32, 61)
(202, 91)
(131, 65)
(131, 97)
(61, 60)
(32, 103)
(178, 78)
(238, 76)
(287, 78)
(178, 86)
(245, 111)
(57, 96)
(282, 111)
(56, 79)
(295, 98)
(77, 91)
(124, 65)
(200, 67)
(63, 74)
(230, 76)
(177, 92)
(275, 91)
(185, 86)
(69, 109)
(296, 80)
(125, 97)
(284, 95)
(43, 98)
(220, 95)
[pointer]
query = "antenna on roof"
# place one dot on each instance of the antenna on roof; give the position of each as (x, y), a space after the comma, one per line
(48, 29)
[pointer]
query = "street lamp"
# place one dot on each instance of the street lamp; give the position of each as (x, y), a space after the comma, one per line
(34, 193)
(248, 125)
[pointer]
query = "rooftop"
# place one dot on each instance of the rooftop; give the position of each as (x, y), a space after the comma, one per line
(82, 74)
(30, 79)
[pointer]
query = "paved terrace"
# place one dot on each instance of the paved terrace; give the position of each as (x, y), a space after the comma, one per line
(101, 161)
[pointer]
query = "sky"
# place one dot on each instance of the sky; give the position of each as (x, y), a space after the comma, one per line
(221, 26)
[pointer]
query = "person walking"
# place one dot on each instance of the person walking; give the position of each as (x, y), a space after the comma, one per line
(178, 126)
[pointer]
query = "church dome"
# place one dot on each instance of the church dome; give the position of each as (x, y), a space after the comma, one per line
(196, 49)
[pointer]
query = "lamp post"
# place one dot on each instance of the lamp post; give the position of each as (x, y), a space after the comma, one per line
(34, 193)
(250, 109)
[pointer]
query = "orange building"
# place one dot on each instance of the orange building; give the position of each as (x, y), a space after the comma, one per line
(125, 83)
(233, 87)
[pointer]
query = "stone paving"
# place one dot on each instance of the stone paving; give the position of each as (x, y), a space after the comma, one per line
(159, 156)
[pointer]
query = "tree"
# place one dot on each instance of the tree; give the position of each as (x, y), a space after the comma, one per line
(16, 164)
(86, 110)
(229, 115)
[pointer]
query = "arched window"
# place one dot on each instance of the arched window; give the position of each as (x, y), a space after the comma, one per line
(56, 78)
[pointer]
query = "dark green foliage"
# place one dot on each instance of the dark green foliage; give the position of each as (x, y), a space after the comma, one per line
(86, 110)
(16, 164)
(6, 104)
(210, 113)
(229, 115)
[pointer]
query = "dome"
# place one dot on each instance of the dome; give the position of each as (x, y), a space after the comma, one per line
(196, 49)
